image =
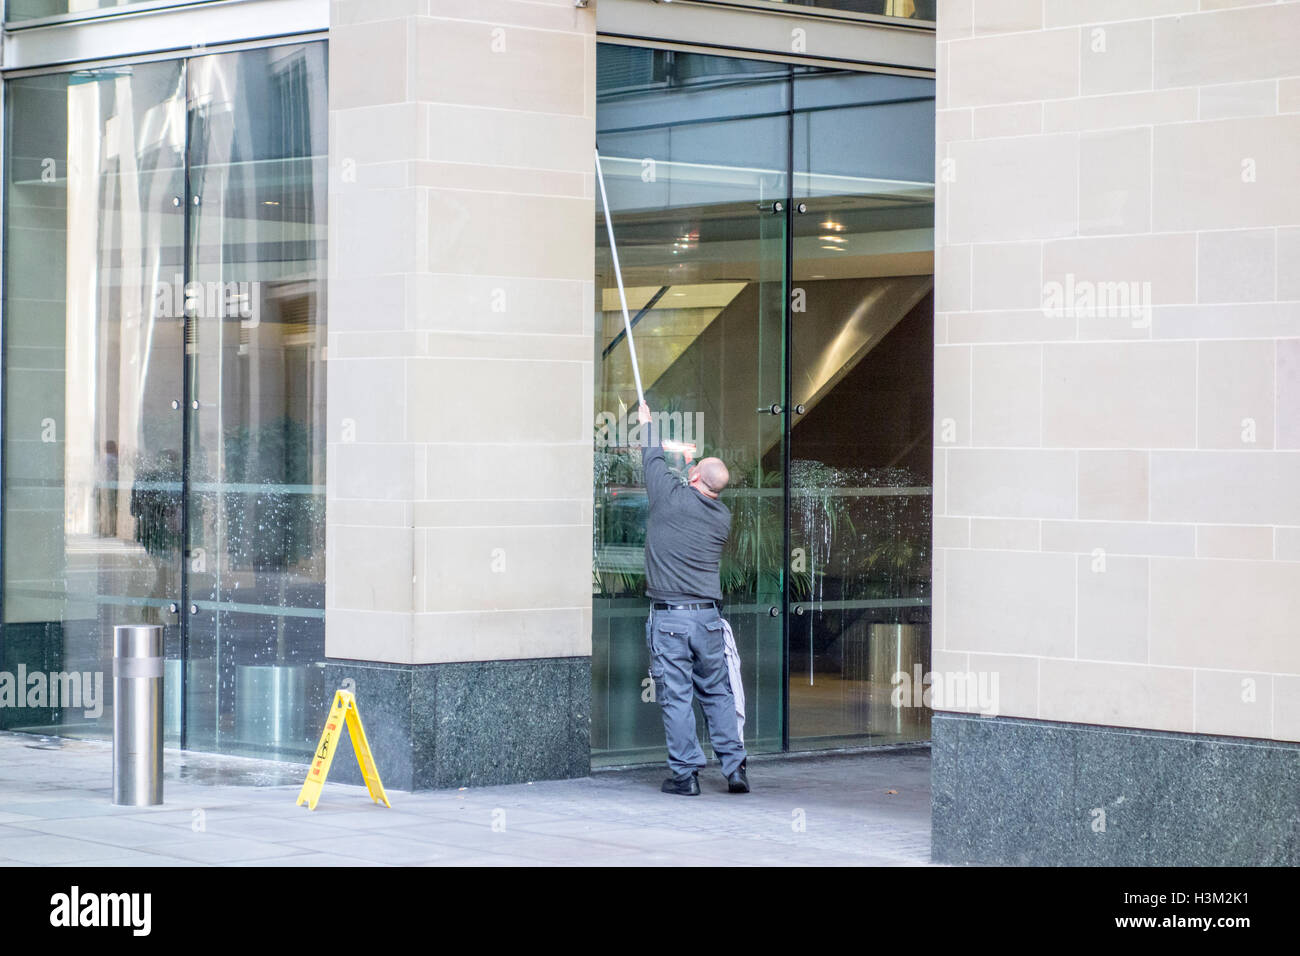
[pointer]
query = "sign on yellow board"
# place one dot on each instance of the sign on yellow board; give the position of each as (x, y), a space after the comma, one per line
(342, 711)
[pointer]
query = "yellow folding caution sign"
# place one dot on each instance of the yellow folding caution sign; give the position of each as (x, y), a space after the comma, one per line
(344, 710)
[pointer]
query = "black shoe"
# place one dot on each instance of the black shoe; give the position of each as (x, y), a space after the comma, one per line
(683, 786)
(738, 782)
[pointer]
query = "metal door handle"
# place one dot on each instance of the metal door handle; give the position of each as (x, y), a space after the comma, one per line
(773, 409)
(774, 611)
(800, 409)
(798, 609)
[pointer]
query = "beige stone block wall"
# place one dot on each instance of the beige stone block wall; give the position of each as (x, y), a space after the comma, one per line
(1117, 361)
(460, 359)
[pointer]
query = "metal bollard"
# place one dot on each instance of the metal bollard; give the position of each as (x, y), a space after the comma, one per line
(137, 715)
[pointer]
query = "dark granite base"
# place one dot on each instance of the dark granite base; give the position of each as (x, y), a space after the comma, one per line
(1030, 792)
(437, 726)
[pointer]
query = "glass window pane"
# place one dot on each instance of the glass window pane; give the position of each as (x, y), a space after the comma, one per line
(256, 489)
(910, 9)
(694, 153)
(92, 429)
(16, 10)
(164, 429)
(862, 383)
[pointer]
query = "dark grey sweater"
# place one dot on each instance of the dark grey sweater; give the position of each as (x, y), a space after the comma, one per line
(685, 535)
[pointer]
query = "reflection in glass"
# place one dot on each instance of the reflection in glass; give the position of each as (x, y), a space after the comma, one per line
(256, 478)
(164, 413)
(16, 10)
(93, 434)
(909, 9)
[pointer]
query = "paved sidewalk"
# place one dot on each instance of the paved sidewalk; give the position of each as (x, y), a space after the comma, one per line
(56, 809)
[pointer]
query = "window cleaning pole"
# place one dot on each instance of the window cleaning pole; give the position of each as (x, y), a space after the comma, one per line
(618, 275)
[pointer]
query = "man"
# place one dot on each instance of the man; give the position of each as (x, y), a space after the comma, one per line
(687, 530)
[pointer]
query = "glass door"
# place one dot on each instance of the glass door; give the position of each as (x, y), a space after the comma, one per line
(255, 380)
(776, 227)
(861, 382)
(93, 427)
(694, 154)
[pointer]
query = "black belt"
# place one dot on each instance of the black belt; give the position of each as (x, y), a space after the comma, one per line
(660, 606)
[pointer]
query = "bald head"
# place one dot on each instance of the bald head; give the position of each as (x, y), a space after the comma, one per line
(712, 475)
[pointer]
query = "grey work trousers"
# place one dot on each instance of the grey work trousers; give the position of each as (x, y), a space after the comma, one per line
(686, 654)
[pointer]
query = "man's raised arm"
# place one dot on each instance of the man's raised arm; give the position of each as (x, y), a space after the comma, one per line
(659, 481)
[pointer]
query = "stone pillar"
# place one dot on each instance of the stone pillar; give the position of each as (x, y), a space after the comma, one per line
(1117, 404)
(460, 375)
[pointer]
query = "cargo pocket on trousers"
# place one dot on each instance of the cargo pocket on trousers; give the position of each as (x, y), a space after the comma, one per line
(715, 632)
(667, 633)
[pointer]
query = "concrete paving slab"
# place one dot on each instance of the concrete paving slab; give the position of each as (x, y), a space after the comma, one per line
(864, 809)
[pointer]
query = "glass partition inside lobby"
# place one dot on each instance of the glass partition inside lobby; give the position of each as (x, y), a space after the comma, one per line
(775, 228)
(164, 431)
